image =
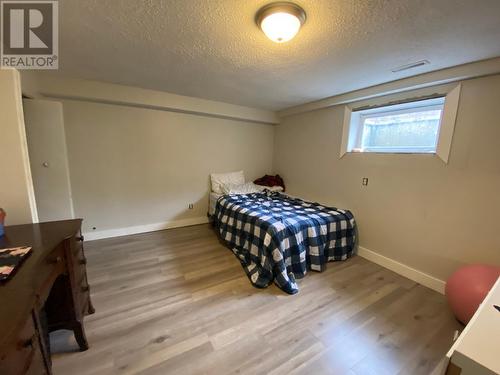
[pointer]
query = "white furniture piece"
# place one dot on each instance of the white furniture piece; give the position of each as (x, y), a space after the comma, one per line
(477, 350)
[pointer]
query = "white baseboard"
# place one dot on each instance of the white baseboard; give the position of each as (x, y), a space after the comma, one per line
(402, 269)
(109, 233)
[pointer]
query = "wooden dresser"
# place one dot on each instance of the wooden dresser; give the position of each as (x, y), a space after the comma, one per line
(48, 292)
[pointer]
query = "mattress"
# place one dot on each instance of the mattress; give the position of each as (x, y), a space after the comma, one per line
(212, 200)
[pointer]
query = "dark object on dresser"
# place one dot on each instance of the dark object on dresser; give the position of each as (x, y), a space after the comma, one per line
(11, 260)
(48, 292)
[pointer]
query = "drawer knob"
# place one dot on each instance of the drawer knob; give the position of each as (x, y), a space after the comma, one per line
(56, 260)
(83, 261)
(25, 344)
(28, 343)
(80, 238)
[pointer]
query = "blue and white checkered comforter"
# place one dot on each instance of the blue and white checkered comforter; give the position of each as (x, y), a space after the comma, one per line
(277, 238)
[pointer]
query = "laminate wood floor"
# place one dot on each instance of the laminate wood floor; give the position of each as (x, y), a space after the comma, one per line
(178, 302)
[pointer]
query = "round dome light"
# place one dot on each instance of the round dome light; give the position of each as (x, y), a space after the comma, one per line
(280, 21)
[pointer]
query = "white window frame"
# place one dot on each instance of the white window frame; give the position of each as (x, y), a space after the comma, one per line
(411, 107)
(351, 125)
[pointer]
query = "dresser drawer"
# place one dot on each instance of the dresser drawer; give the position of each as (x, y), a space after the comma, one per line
(77, 258)
(24, 354)
(76, 243)
(78, 274)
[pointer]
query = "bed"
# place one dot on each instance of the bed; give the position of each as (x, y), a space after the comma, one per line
(212, 201)
(278, 238)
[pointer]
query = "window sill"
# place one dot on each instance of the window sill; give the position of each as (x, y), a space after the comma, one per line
(392, 152)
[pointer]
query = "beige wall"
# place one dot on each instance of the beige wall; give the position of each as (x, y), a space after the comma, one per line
(16, 189)
(134, 166)
(416, 210)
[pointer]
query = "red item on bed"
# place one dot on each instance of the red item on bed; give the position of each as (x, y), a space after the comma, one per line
(269, 180)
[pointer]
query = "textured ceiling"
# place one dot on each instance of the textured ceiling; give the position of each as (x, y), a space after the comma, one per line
(212, 49)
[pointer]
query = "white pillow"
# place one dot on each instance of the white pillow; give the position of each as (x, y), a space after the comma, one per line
(219, 179)
(245, 188)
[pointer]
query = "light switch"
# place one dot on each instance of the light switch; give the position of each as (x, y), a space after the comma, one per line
(365, 181)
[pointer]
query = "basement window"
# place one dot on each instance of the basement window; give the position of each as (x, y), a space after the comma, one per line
(411, 127)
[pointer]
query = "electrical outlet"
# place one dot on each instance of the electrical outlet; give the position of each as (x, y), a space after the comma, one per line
(365, 181)
(191, 206)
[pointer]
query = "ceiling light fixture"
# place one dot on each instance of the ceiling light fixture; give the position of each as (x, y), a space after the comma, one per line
(280, 21)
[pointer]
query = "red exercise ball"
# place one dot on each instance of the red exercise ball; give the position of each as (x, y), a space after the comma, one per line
(467, 288)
